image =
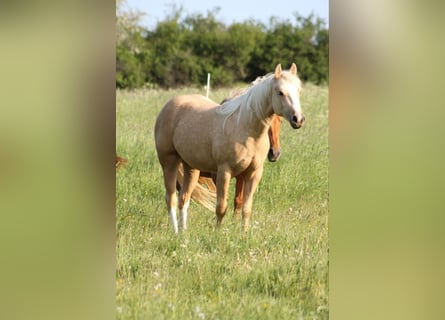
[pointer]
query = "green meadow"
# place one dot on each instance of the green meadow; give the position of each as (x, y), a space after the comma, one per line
(277, 270)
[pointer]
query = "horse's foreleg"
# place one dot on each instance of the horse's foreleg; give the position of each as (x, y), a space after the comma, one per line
(191, 177)
(251, 183)
(222, 188)
(238, 200)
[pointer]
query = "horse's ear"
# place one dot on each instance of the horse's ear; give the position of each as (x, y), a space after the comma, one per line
(293, 69)
(278, 71)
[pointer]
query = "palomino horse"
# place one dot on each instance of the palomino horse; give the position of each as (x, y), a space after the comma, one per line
(229, 140)
(207, 197)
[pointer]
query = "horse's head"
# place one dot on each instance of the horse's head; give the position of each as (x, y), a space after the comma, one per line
(274, 139)
(286, 93)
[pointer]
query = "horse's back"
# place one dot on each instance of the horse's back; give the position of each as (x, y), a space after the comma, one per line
(182, 106)
(182, 121)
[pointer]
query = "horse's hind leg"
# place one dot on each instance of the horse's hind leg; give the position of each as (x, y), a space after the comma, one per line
(170, 167)
(191, 177)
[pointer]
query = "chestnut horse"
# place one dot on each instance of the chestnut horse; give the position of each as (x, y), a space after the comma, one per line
(273, 155)
(229, 140)
(120, 162)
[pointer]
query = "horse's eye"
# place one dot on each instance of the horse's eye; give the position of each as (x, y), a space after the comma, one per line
(280, 93)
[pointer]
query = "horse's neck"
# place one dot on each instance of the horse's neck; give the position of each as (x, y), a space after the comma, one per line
(258, 112)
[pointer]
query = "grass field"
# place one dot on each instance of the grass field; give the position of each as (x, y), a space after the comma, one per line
(278, 270)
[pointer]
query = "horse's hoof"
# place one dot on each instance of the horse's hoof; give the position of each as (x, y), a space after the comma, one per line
(245, 227)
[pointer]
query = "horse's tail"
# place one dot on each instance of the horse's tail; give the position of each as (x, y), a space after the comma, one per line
(120, 162)
(205, 196)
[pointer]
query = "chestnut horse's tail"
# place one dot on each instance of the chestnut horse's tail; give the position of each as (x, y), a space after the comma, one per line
(204, 195)
(120, 162)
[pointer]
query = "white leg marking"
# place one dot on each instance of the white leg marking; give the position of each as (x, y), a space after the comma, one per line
(173, 219)
(183, 215)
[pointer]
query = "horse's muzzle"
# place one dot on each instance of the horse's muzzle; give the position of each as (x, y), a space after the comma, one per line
(297, 123)
(273, 154)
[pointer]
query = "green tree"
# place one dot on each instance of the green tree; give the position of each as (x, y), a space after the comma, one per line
(129, 72)
(304, 43)
(129, 45)
(181, 50)
(240, 48)
(165, 45)
(206, 38)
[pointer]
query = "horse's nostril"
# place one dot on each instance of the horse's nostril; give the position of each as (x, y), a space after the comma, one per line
(295, 119)
(273, 154)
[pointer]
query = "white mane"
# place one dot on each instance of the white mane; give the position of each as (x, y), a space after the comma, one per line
(250, 100)
(229, 106)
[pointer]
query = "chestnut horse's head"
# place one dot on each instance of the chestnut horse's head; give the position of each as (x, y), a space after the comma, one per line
(274, 139)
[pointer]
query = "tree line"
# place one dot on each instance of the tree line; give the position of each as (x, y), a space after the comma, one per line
(181, 50)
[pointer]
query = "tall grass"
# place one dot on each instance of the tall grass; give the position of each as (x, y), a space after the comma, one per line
(278, 270)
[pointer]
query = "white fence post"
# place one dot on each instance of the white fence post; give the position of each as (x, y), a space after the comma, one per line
(208, 84)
